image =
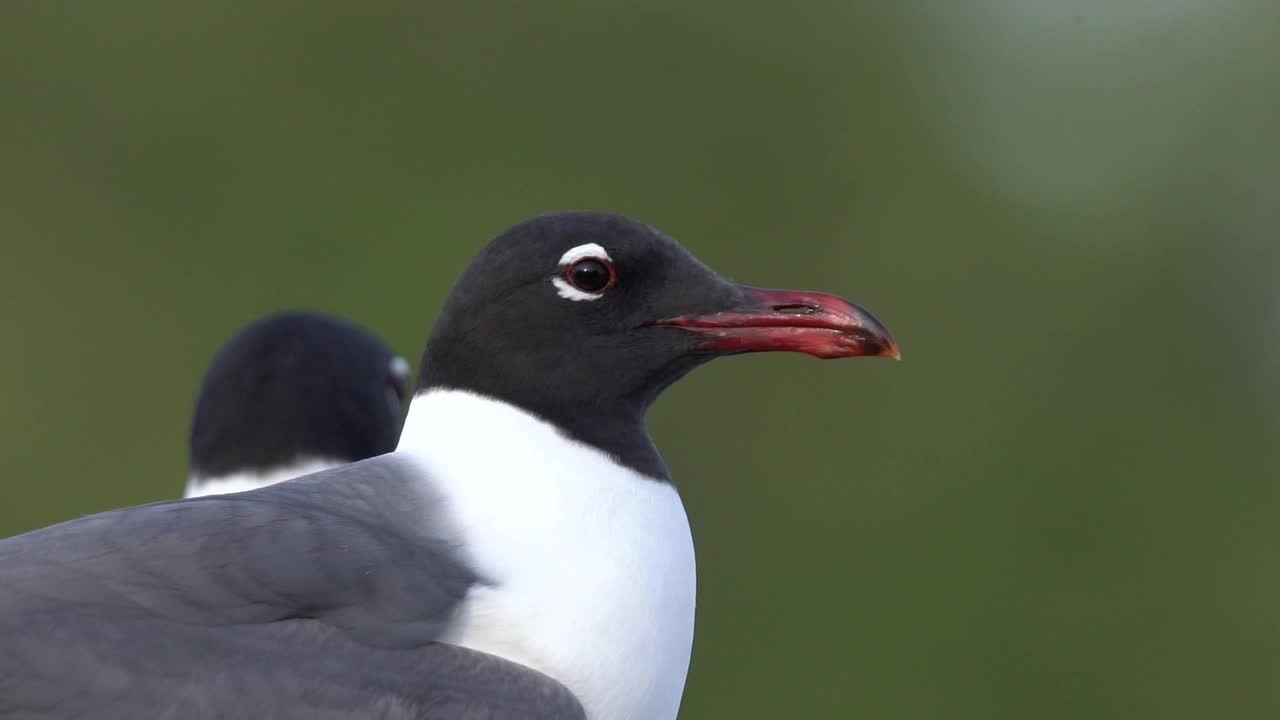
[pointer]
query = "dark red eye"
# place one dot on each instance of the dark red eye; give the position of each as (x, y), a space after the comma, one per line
(591, 275)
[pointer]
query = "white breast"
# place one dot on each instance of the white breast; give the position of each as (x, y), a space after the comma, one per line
(591, 563)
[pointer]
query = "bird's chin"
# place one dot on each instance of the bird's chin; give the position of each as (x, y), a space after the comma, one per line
(813, 323)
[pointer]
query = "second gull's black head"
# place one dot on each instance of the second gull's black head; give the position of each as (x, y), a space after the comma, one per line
(583, 318)
(294, 386)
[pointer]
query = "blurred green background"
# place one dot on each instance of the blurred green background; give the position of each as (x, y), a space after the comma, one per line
(1061, 504)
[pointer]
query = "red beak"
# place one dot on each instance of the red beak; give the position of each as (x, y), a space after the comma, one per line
(814, 323)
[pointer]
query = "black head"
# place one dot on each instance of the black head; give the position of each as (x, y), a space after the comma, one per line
(584, 318)
(296, 385)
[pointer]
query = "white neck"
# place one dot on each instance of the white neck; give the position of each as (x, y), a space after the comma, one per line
(198, 486)
(590, 563)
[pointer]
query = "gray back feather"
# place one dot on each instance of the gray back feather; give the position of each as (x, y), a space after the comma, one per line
(319, 598)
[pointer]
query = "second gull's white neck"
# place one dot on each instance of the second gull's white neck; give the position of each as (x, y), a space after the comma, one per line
(198, 486)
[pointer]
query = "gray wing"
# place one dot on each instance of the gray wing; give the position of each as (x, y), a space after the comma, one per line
(315, 598)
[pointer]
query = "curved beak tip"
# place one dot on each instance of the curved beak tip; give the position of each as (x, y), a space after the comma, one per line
(886, 347)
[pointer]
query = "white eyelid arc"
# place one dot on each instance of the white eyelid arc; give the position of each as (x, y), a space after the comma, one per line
(585, 250)
(400, 368)
(569, 292)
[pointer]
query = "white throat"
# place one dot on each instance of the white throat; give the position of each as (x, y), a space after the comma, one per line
(590, 563)
(198, 486)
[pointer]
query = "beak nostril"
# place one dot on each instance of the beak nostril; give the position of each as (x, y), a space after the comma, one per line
(796, 309)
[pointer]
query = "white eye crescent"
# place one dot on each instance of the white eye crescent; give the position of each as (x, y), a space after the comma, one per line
(586, 272)
(398, 381)
(583, 251)
(400, 369)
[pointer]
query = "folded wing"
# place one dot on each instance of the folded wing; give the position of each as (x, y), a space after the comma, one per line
(316, 598)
